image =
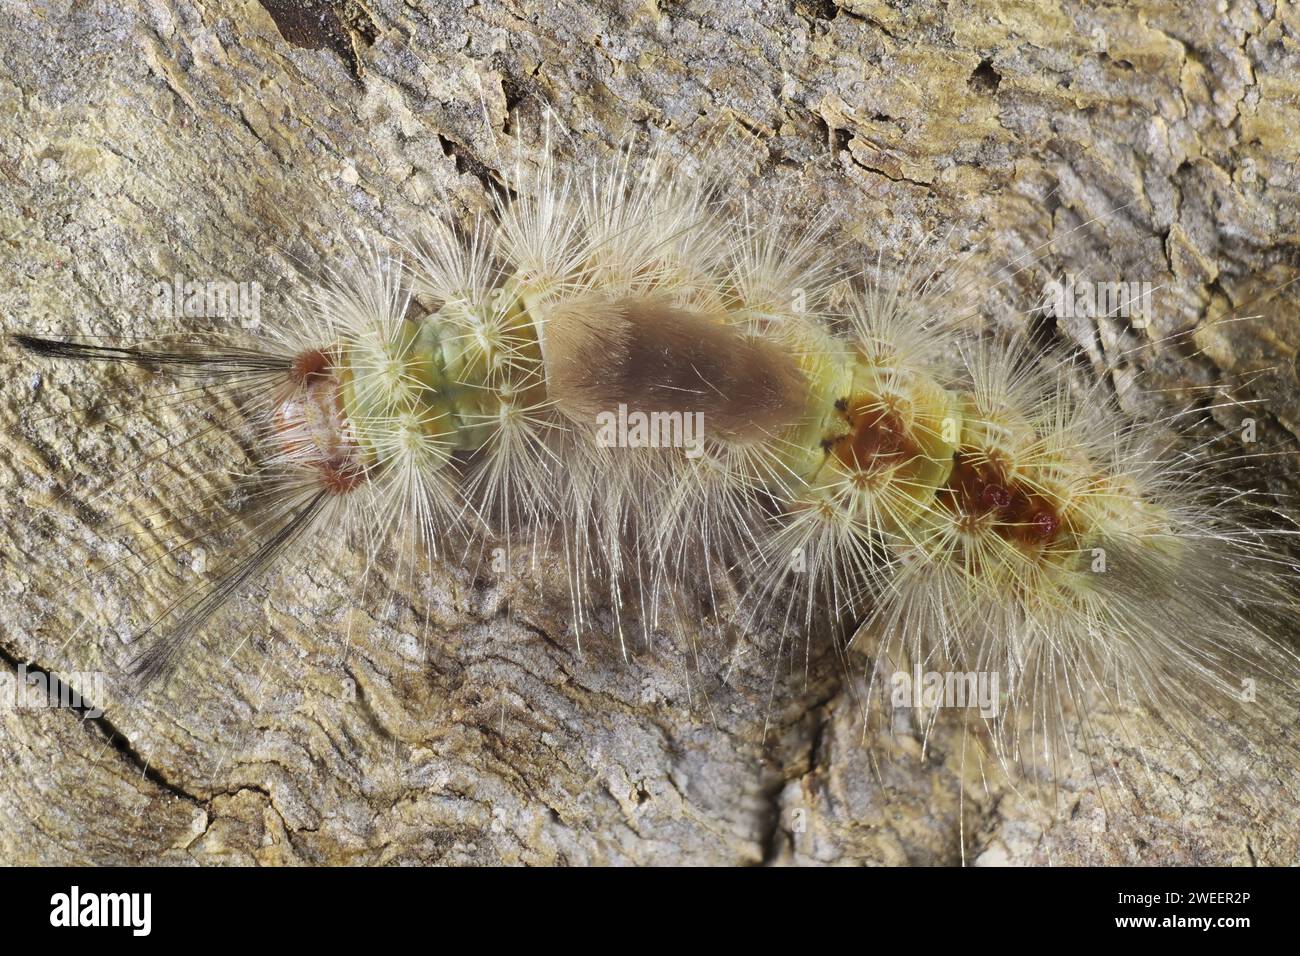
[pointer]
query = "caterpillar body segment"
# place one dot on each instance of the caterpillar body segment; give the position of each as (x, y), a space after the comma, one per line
(797, 424)
(612, 373)
(1073, 554)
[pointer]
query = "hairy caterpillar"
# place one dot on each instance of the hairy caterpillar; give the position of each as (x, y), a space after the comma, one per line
(863, 460)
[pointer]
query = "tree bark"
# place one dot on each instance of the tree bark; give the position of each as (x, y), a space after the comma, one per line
(458, 721)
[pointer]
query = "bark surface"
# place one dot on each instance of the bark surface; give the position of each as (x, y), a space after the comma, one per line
(456, 722)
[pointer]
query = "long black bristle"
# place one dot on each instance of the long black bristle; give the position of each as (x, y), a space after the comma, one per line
(158, 658)
(227, 361)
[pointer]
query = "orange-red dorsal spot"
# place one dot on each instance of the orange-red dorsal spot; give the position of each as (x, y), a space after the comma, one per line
(1044, 525)
(877, 437)
(995, 497)
(979, 489)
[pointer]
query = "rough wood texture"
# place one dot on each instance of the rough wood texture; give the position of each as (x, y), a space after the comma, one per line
(140, 140)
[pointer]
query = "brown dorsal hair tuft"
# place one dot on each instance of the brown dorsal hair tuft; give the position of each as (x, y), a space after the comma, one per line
(654, 357)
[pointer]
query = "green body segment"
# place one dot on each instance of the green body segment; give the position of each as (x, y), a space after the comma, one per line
(449, 379)
(452, 375)
(869, 426)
